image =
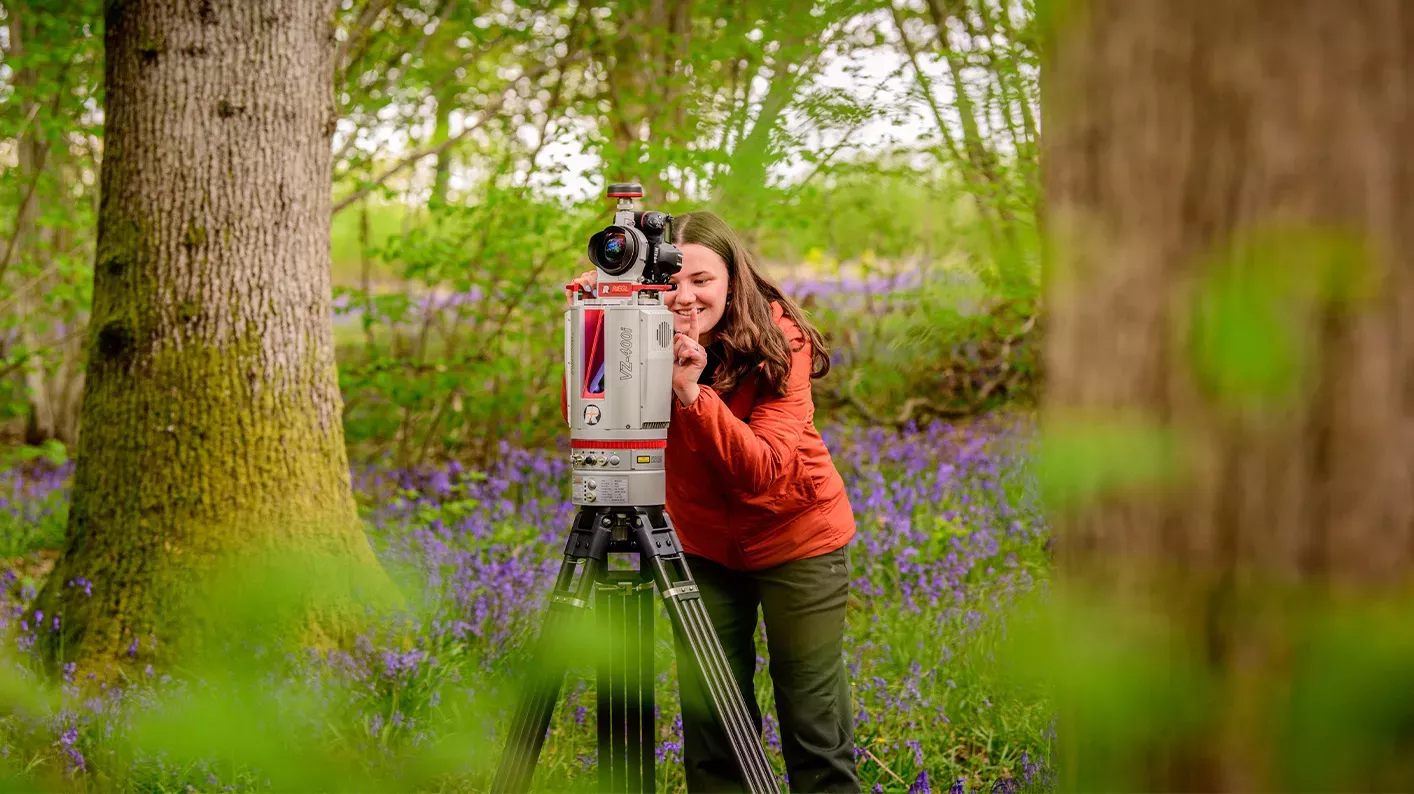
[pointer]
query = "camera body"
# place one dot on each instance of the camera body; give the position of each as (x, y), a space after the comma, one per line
(619, 361)
(632, 251)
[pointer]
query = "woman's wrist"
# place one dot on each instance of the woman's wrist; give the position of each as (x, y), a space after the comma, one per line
(687, 395)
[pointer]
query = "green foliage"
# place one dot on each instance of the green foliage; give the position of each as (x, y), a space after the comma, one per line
(1136, 678)
(1125, 680)
(1254, 308)
(923, 343)
(463, 344)
(884, 207)
(420, 699)
(348, 251)
(50, 86)
(1347, 715)
(1085, 460)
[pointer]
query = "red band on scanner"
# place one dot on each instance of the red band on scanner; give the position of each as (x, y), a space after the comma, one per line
(624, 288)
(589, 443)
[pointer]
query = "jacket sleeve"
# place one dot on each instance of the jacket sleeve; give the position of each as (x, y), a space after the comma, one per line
(752, 456)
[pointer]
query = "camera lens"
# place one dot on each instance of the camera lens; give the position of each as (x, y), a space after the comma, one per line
(614, 245)
(614, 250)
(667, 264)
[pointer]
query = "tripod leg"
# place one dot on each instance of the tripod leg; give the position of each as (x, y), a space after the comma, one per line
(648, 718)
(603, 690)
(585, 555)
(625, 684)
(689, 617)
(612, 688)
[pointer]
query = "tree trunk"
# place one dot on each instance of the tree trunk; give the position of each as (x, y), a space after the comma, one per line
(441, 175)
(51, 70)
(988, 183)
(31, 154)
(211, 418)
(741, 187)
(47, 326)
(644, 92)
(1232, 204)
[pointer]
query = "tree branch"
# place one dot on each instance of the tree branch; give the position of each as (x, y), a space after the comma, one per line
(924, 83)
(24, 207)
(844, 139)
(491, 107)
(370, 15)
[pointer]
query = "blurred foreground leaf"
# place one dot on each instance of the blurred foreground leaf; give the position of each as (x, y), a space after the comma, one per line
(1122, 678)
(1259, 308)
(1351, 710)
(1082, 459)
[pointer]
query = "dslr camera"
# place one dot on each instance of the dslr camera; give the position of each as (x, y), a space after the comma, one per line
(632, 249)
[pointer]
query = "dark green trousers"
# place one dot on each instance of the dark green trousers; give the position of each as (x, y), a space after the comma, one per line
(803, 603)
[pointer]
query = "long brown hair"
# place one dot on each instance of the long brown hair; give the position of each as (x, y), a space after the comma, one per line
(748, 335)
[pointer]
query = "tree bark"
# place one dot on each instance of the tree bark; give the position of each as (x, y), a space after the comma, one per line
(1219, 174)
(31, 153)
(442, 172)
(634, 89)
(741, 186)
(31, 257)
(211, 418)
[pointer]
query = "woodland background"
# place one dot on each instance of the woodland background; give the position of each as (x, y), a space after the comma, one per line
(1121, 405)
(472, 147)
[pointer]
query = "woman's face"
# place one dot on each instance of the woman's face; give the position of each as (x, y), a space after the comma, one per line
(701, 288)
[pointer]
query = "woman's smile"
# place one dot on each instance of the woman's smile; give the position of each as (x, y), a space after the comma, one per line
(700, 289)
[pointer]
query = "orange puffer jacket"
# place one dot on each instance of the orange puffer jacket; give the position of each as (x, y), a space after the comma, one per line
(750, 483)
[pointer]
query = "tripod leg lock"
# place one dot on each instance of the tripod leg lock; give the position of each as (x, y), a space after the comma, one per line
(569, 600)
(682, 592)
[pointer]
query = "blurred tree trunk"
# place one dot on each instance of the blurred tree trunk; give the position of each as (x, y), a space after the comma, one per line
(49, 328)
(644, 90)
(979, 154)
(211, 410)
(1230, 198)
(50, 368)
(26, 252)
(24, 248)
(740, 188)
(441, 131)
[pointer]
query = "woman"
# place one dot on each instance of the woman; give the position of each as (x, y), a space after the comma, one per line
(759, 507)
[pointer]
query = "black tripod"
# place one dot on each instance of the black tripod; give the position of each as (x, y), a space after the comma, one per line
(624, 687)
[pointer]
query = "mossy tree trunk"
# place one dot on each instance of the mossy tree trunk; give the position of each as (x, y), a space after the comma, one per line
(1230, 194)
(211, 419)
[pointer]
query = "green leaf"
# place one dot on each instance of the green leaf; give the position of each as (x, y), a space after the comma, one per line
(1082, 459)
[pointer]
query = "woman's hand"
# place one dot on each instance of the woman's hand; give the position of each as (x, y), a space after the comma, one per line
(689, 359)
(586, 282)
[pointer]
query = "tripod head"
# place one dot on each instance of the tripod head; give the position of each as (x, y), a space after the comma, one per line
(618, 360)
